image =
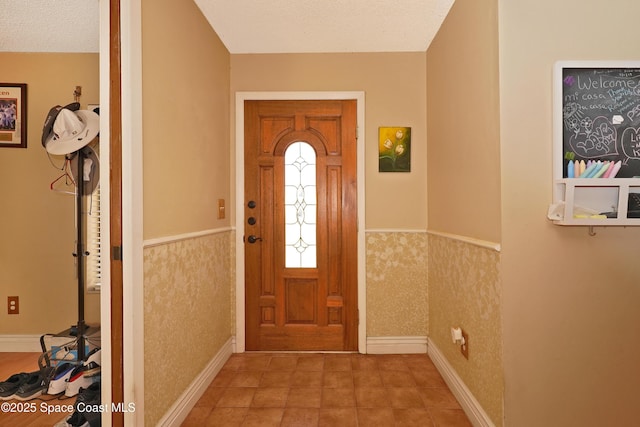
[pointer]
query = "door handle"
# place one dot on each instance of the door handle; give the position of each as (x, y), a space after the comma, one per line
(253, 239)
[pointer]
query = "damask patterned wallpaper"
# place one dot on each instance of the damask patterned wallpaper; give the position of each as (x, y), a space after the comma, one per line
(187, 315)
(397, 295)
(465, 290)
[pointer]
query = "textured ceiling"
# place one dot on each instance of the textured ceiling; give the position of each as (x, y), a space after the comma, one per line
(296, 26)
(49, 26)
(244, 26)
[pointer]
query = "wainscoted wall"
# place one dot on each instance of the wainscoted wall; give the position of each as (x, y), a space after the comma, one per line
(187, 299)
(397, 292)
(465, 290)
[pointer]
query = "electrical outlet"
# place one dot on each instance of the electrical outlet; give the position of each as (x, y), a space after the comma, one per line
(13, 305)
(464, 348)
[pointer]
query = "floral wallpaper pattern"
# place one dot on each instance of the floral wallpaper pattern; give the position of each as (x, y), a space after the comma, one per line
(397, 284)
(187, 316)
(465, 290)
(417, 285)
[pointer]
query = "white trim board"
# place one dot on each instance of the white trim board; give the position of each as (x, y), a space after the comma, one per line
(470, 240)
(239, 157)
(467, 400)
(180, 409)
(159, 241)
(20, 344)
(397, 345)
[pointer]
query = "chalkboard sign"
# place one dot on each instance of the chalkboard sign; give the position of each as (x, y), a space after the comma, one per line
(600, 114)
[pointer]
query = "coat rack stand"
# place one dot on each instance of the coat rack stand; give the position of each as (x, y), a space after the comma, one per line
(80, 253)
(67, 129)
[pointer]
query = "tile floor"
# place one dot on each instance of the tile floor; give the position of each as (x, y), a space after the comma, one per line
(305, 389)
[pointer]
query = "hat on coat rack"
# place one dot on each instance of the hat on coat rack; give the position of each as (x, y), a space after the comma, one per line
(51, 117)
(68, 129)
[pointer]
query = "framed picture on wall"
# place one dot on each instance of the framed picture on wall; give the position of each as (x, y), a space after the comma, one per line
(394, 149)
(13, 115)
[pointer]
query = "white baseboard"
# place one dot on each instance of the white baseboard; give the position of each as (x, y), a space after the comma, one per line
(20, 344)
(470, 405)
(396, 345)
(188, 399)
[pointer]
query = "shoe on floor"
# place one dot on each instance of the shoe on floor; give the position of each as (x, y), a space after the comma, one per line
(58, 383)
(89, 397)
(94, 355)
(9, 387)
(35, 385)
(74, 420)
(80, 379)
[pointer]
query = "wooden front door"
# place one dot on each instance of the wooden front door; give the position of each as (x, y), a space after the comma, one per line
(300, 225)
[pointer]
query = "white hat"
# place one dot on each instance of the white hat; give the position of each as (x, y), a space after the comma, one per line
(72, 130)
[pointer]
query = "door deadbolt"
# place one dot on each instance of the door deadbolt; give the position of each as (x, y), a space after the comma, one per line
(251, 221)
(251, 204)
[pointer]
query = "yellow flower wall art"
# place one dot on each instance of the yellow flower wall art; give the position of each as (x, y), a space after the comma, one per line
(394, 148)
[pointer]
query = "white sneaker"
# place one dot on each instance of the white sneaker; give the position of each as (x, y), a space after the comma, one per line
(57, 384)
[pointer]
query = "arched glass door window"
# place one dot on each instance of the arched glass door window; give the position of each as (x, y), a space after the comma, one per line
(300, 206)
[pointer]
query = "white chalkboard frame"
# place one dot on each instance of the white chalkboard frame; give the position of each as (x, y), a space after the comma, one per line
(558, 103)
(586, 192)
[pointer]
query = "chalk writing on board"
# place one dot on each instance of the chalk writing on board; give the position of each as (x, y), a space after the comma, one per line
(601, 115)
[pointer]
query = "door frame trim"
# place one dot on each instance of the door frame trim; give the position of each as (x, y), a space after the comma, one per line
(239, 202)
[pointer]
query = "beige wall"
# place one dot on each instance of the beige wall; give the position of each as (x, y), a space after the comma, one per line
(394, 87)
(464, 197)
(37, 230)
(187, 280)
(570, 300)
(186, 120)
(463, 130)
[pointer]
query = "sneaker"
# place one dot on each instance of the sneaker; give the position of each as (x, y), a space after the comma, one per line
(81, 418)
(35, 385)
(82, 376)
(9, 387)
(58, 383)
(74, 420)
(94, 356)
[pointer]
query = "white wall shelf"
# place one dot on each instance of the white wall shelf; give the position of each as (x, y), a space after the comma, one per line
(597, 195)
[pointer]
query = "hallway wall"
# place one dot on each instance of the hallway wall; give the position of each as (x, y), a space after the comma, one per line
(465, 287)
(394, 87)
(187, 266)
(570, 300)
(37, 229)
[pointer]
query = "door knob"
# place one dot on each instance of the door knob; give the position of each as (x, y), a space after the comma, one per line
(253, 239)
